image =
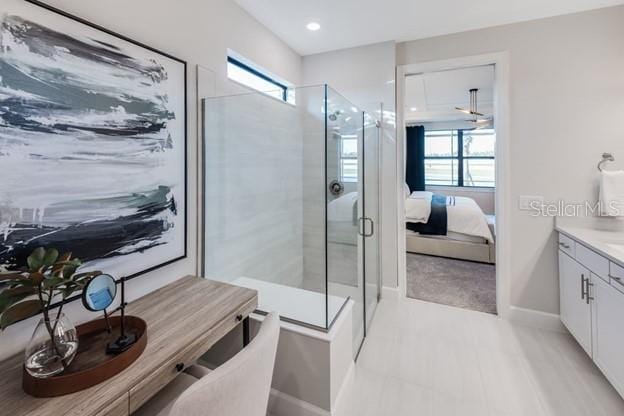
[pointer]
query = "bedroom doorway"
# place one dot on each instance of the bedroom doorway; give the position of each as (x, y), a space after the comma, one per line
(449, 122)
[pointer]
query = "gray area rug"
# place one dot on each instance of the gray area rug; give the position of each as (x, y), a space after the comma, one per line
(459, 283)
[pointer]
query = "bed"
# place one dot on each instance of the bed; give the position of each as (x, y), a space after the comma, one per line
(342, 219)
(449, 226)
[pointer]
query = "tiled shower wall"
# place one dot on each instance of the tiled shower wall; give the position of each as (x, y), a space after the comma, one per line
(311, 101)
(265, 190)
(253, 197)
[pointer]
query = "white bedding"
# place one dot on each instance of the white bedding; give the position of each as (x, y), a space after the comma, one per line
(452, 236)
(418, 206)
(343, 208)
(342, 219)
(465, 217)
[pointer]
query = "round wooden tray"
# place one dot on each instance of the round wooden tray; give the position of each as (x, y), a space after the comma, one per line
(91, 365)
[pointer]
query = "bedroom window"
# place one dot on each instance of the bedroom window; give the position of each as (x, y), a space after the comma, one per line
(460, 158)
(349, 158)
(242, 71)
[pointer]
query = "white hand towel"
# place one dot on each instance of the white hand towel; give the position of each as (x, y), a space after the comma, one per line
(612, 193)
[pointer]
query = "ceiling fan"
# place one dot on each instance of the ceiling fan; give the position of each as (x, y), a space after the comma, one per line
(480, 119)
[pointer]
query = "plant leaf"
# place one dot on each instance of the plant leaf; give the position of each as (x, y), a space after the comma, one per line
(69, 289)
(74, 262)
(19, 311)
(11, 296)
(21, 282)
(36, 277)
(35, 260)
(65, 257)
(4, 277)
(69, 271)
(53, 282)
(50, 257)
(87, 274)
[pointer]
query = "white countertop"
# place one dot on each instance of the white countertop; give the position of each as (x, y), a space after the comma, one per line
(596, 234)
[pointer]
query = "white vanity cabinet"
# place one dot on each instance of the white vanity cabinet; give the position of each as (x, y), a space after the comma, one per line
(592, 306)
(575, 309)
(608, 332)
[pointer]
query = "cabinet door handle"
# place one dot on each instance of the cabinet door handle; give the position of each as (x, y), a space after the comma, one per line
(564, 245)
(582, 286)
(587, 296)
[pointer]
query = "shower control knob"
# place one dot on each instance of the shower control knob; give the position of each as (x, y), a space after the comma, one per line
(336, 188)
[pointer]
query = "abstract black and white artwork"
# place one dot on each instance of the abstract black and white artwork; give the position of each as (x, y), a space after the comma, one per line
(92, 144)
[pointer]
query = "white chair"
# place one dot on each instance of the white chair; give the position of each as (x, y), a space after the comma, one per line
(239, 387)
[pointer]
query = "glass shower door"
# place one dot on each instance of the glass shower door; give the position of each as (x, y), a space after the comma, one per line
(344, 147)
(370, 215)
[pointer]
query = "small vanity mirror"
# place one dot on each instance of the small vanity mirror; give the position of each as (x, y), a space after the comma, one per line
(99, 293)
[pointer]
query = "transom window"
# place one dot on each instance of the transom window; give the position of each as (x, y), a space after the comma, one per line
(252, 77)
(460, 158)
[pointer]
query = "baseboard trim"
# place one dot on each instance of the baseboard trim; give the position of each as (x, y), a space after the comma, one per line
(282, 404)
(389, 292)
(536, 319)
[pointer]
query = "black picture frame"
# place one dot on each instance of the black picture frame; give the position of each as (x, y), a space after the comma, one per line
(127, 39)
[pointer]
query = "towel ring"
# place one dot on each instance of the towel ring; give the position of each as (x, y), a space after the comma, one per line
(606, 157)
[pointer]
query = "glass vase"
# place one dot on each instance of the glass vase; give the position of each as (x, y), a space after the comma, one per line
(46, 354)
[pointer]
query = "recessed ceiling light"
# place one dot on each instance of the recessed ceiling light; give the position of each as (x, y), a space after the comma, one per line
(413, 109)
(313, 26)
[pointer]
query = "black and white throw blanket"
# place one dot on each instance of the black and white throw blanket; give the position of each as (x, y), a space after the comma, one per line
(438, 219)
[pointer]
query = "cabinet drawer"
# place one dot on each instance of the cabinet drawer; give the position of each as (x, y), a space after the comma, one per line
(117, 408)
(147, 388)
(593, 261)
(567, 245)
(616, 273)
(143, 391)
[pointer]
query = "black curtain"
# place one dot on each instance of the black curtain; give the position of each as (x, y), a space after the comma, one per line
(415, 158)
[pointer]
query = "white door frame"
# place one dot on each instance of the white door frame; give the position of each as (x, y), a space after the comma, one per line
(502, 200)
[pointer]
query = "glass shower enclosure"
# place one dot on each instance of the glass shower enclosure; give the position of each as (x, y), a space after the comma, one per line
(291, 201)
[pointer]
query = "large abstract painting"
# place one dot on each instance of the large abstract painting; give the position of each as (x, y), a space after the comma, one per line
(92, 144)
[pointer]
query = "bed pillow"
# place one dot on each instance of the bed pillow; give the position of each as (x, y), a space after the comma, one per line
(407, 191)
(421, 195)
(418, 206)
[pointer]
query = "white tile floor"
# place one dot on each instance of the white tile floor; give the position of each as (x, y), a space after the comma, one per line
(426, 359)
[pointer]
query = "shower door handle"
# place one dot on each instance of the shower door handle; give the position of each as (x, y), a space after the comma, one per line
(362, 227)
(372, 227)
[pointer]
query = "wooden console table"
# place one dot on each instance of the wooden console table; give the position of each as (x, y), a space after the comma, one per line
(184, 319)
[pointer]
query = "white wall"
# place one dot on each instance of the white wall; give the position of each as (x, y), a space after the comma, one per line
(567, 106)
(365, 76)
(200, 33)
